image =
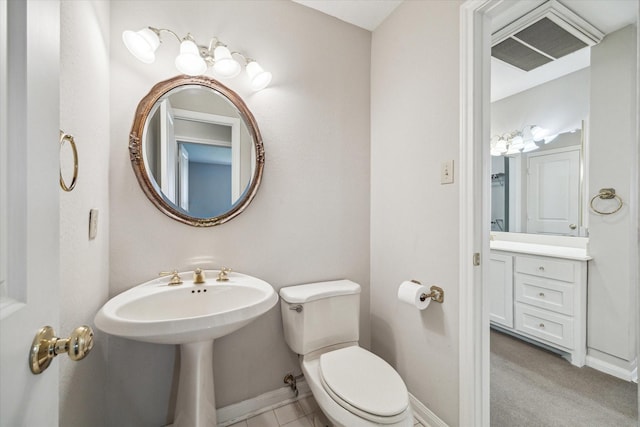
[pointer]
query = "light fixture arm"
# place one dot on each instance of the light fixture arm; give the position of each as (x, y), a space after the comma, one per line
(161, 30)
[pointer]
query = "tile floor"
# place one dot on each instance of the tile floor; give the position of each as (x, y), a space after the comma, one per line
(303, 413)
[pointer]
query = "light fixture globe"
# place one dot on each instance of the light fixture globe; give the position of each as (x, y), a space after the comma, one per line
(258, 77)
(142, 44)
(189, 61)
(530, 146)
(538, 133)
(517, 142)
(224, 65)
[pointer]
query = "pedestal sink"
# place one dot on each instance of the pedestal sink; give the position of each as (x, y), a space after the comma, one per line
(193, 316)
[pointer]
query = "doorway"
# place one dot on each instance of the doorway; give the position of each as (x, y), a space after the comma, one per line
(476, 17)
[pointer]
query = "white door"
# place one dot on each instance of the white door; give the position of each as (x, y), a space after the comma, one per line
(553, 192)
(501, 289)
(184, 177)
(168, 152)
(30, 195)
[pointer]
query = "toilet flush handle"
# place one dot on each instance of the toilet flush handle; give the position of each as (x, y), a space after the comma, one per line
(297, 308)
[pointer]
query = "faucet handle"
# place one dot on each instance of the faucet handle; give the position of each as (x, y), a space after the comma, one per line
(222, 275)
(175, 277)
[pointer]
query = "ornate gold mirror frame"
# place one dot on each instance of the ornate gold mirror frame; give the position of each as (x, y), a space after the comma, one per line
(136, 150)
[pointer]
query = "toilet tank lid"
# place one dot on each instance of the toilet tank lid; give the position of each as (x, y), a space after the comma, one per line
(319, 290)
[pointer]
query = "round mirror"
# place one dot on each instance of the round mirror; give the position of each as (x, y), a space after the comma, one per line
(196, 150)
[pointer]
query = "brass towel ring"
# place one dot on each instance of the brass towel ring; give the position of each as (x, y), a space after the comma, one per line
(606, 194)
(66, 137)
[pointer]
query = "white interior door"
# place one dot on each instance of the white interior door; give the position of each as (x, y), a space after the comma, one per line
(184, 177)
(553, 191)
(168, 151)
(30, 200)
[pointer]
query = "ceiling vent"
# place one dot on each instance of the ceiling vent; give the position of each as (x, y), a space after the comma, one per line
(545, 34)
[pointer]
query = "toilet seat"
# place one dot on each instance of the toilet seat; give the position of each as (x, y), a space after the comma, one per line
(364, 384)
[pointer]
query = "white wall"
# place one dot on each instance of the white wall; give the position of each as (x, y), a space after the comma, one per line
(613, 163)
(84, 263)
(310, 218)
(559, 106)
(414, 219)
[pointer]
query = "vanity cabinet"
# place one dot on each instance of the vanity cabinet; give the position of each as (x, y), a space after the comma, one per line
(501, 289)
(549, 300)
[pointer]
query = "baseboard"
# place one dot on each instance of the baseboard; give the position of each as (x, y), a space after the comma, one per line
(629, 373)
(240, 411)
(423, 414)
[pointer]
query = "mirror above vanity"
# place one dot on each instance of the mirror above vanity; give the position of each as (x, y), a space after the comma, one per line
(196, 150)
(540, 191)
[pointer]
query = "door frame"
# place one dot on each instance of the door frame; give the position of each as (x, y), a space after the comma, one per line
(475, 208)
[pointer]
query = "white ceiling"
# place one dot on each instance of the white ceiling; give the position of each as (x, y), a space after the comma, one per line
(367, 14)
(606, 15)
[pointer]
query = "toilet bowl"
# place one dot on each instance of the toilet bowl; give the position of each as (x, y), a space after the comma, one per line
(352, 386)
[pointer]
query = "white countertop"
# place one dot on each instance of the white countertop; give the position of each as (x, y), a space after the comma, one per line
(565, 252)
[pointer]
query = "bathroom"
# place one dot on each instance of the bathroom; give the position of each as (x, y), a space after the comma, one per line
(348, 192)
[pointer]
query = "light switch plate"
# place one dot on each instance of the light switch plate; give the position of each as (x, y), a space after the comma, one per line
(446, 172)
(93, 223)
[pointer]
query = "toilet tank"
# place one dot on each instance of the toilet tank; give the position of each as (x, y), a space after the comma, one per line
(320, 314)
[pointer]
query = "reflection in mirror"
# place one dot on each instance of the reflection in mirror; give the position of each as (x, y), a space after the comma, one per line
(200, 157)
(539, 191)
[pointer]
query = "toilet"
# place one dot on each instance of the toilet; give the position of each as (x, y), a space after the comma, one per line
(352, 386)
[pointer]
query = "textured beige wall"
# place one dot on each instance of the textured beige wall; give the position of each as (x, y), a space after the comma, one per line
(414, 219)
(84, 263)
(310, 218)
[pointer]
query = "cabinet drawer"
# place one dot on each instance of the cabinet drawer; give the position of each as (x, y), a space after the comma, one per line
(545, 293)
(551, 327)
(543, 267)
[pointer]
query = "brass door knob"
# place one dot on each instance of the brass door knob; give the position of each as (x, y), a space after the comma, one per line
(46, 346)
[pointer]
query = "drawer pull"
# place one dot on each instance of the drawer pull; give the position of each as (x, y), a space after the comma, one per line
(541, 268)
(541, 325)
(541, 294)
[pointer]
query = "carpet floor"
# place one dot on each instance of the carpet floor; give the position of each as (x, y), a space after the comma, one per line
(532, 387)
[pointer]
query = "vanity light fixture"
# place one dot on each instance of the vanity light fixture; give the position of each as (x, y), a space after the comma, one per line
(195, 59)
(520, 141)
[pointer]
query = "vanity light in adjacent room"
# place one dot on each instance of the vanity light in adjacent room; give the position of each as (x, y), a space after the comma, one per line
(189, 61)
(538, 133)
(142, 44)
(517, 142)
(529, 146)
(195, 59)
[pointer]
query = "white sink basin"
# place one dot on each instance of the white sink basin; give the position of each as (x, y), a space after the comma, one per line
(159, 313)
(193, 316)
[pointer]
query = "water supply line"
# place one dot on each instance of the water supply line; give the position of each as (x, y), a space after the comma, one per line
(292, 381)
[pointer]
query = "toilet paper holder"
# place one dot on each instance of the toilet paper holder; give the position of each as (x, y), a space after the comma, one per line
(436, 294)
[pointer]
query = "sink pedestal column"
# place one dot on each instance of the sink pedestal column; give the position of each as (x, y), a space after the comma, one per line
(196, 403)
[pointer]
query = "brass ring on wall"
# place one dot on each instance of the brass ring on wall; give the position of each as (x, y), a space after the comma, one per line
(66, 137)
(606, 194)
